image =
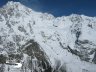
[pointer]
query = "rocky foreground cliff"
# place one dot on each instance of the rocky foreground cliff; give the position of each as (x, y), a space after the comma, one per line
(31, 41)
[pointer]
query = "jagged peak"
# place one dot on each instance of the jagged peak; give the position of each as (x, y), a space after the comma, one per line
(12, 3)
(16, 6)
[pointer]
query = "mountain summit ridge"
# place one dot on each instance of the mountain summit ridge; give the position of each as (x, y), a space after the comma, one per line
(68, 42)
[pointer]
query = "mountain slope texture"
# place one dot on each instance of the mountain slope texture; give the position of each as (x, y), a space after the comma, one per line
(39, 42)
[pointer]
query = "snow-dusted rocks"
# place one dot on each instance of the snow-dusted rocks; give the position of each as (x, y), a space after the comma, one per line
(67, 43)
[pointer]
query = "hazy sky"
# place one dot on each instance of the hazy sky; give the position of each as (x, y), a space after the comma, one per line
(60, 7)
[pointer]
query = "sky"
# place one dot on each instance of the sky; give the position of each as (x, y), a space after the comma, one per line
(60, 7)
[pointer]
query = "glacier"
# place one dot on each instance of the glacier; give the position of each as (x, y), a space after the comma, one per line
(40, 42)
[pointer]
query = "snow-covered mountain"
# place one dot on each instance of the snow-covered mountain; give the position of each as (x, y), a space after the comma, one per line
(43, 43)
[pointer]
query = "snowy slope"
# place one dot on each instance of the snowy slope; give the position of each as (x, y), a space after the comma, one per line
(68, 41)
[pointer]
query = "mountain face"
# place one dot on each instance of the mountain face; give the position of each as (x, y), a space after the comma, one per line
(43, 43)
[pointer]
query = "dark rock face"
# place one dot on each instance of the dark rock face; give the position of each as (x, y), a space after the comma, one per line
(38, 61)
(2, 59)
(2, 68)
(94, 59)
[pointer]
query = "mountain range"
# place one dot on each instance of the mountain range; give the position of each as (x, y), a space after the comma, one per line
(44, 43)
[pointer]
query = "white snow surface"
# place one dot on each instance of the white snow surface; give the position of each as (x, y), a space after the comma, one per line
(16, 20)
(19, 65)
